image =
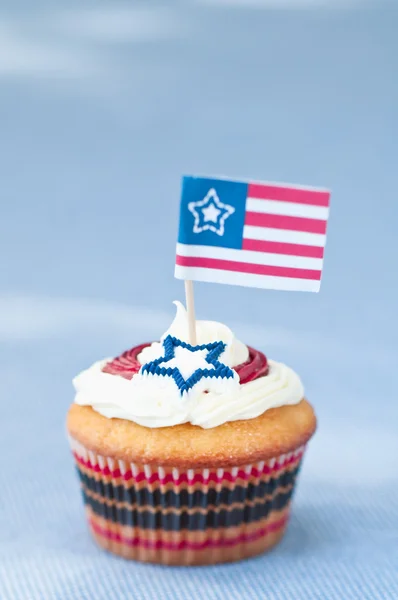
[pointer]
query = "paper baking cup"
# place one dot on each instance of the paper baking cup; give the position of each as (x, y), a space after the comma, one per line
(186, 517)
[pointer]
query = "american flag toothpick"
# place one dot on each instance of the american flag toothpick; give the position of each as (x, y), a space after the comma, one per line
(254, 234)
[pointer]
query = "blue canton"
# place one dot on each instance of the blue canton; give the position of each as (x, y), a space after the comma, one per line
(170, 343)
(212, 212)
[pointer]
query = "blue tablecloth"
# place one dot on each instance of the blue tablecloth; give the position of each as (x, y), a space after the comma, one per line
(103, 107)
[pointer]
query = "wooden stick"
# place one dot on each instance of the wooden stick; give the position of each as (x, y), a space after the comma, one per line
(189, 299)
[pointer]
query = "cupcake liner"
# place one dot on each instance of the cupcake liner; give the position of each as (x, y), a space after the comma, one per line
(191, 516)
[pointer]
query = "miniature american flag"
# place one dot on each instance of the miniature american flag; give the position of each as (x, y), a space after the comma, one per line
(253, 234)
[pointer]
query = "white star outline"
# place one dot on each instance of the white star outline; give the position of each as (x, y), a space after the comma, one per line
(226, 209)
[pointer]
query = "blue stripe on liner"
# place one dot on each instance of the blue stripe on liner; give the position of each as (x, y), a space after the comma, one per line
(182, 520)
(156, 499)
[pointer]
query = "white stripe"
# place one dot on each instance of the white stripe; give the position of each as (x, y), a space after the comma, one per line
(289, 209)
(283, 235)
(250, 256)
(246, 279)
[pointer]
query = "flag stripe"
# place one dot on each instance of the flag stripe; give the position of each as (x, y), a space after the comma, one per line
(247, 279)
(249, 256)
(289, 209)
(283, 248)
(289, 194)
(283, 222)
(242, 267)
(280, 235)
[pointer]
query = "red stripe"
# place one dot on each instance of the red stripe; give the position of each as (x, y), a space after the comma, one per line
(286, 194)
(283, 222)
(184, 544)
(183, 478)
(283, 248)
(242, 267)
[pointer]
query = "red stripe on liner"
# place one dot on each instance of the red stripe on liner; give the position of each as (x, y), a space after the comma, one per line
(286, 194)
(283, 222)
(283, 248)
(242, 267)
(183, 478)
(184, 544)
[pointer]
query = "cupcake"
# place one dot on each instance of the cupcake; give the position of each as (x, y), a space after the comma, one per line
(189, 454)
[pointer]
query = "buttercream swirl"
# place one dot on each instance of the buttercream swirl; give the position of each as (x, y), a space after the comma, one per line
(116, 389)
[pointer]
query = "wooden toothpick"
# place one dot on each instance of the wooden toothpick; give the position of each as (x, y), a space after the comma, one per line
(190, 303)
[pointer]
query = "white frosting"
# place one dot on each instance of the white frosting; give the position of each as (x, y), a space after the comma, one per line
(155, 401)
(234, 354)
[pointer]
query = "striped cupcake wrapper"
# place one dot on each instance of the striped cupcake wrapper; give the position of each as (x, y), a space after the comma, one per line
(182, 517)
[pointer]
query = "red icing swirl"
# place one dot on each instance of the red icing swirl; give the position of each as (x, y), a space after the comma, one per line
(256, 366)
(126, 365)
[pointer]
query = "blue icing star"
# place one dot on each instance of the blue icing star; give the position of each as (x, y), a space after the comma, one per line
(170, 343)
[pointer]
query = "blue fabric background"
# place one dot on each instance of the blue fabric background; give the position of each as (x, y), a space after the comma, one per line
(103, 107)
